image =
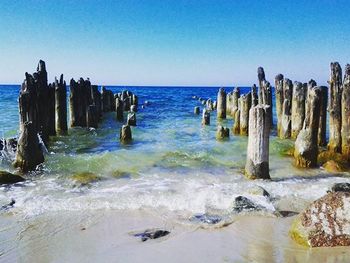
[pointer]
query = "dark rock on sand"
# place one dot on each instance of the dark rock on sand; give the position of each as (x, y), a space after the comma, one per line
(8, 206)
(341, 187)
(9, 178)
(206, 218)
(244, 204)
(151, 234)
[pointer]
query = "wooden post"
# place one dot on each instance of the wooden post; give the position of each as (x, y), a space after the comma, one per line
(236, 125)
(279, 100)
(92, 116)
(345, 114)
(74, 95)
(131, 120)
(335, 88)
(298, 108)
(306, 145)
(52, 110)
(257, 165)
(221, 104)
(323, 117)
(29, 152)
(61, 106)
(206, 117)
(222, 133)
(196, 110)
(125, 134)
(236, 94)
(119, 109)
(254, 93)
(286, 118)
(245, 103)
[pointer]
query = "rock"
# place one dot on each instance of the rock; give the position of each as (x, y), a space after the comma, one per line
(9, 178)
(85, 178)
(341, 187)
(325, 223)
(338, 158)
(244, 204)
(258, 190)
(286, 213)
(7, 206)
(332, 167)
(222, 133)
(206, 218)
(151, 234)
(196, 110)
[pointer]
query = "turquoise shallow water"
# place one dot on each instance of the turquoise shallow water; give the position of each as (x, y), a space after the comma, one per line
(174, 169)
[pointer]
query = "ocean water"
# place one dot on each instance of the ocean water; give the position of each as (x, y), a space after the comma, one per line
(174, 167)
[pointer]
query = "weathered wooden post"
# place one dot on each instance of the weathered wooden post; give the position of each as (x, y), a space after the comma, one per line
(236, 94)
(52, 110)
(257, 165)
(92, 116)
(28, 102)
(254, 93)
(279, 100)
(222, 133)
(345, 114)
(229, 103)
(298, 108)
(335, 88)
(306, 145)
(96, 99)
(323, 117)
(119, 109)
(286, 118)
(74, 105)
(236, 125)
(61, 106)
(29, 152)
(131, 120)
(125, 134)
(196, 110)
(261, 79)
(245, 103)
(221, 104)
(206, 117)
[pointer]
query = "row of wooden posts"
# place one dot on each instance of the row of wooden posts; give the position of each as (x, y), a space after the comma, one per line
(43, 112)
(301, 111)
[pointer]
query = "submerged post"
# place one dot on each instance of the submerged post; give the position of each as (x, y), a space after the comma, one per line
(345, 114)
(306, 145)
(29, 153)
(221, 104)
(257, 165)
(119, 105)
(335, 88)
(222, 133)
(61, 106)
(298, 108)
(92, 116)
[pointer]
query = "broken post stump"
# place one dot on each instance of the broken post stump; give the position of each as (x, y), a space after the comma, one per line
(125, 134)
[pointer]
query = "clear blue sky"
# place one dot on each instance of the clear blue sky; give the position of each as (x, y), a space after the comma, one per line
(178, 42)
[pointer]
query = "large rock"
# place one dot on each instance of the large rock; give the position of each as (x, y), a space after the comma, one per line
(9, 178)
(325, 223)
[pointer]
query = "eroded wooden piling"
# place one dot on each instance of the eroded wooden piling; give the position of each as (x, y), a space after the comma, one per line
(335, 87)
(306, 144)
(221, 104)
(286, 115)
(298, 108)
(60, 87)
(345, 114)
(245, 104)
(279, 100)
(257, 165)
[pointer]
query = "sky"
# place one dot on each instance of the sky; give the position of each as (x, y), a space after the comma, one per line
(173, 42)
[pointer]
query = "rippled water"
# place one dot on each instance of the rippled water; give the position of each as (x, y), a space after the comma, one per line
(174, 165)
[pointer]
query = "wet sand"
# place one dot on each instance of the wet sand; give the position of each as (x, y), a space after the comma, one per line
(106, 236)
